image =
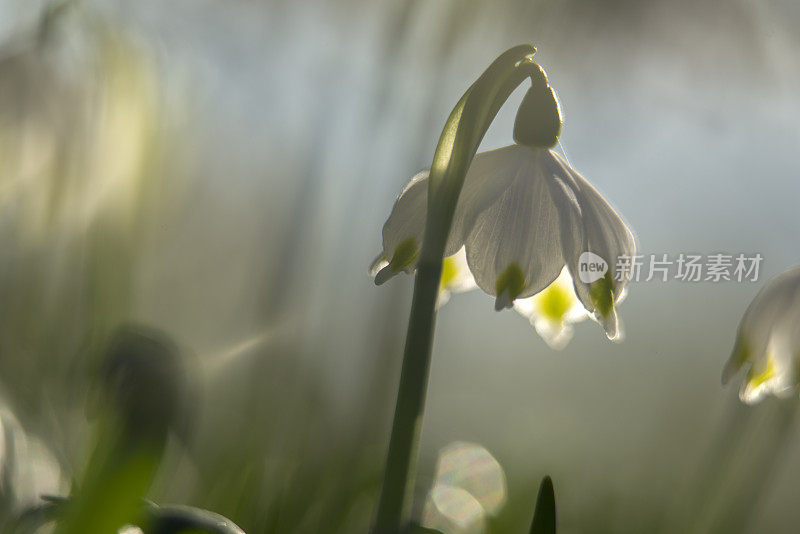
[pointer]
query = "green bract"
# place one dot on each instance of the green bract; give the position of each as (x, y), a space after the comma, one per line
(538, 122)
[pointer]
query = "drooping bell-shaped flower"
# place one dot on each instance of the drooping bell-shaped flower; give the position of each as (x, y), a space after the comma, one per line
(523, 215)
(523, 222)
(768, 341)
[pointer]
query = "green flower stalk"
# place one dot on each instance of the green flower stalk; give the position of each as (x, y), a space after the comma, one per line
(457, 145)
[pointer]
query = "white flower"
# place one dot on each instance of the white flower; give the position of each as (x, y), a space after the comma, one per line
(768, 340)
(522, 216)
(28, 468)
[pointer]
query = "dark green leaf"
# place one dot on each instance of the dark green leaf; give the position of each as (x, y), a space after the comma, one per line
(544, 517)
(185, 519)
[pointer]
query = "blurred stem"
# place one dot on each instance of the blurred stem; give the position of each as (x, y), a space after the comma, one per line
(716, 461)
(738, 469)
(460, 138)
(738, 513)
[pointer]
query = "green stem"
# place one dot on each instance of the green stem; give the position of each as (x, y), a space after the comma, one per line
(458, 143)
(410, 400)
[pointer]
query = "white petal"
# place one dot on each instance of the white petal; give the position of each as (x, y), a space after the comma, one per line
(556, 335)
(768, 340)
(405, 226)
(553, 310)
(771, 375)
(604, 234)
(488, 176)
(456, 277)
(519, 231)
(377, 265)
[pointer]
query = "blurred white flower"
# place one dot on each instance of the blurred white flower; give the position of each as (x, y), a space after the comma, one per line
(28, 469)
(523, 215)
(768, 341)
